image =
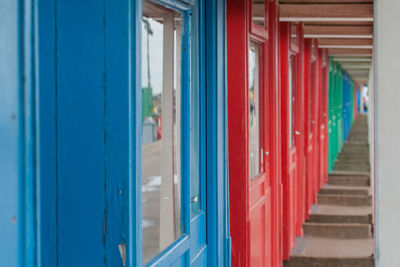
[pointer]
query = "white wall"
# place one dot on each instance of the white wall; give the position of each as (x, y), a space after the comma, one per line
(387, 132)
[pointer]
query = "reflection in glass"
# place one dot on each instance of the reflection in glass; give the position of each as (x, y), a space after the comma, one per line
(259, 12)
(254, 111)
(161, 185)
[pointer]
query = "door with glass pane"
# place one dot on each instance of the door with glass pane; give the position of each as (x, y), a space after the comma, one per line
(289, 43)
(258, 127)
(173, 187)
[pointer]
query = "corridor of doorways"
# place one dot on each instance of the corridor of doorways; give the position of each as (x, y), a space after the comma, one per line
(132, 122)
(295, 72)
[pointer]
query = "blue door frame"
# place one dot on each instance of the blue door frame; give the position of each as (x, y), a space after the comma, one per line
(71, 139)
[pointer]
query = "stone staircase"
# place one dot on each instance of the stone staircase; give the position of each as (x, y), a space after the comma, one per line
(339, 231)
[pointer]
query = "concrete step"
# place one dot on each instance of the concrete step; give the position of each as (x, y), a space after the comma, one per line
(351, 167)
(357, 138)
(354, 143)
(345, 200)
(364, 164)
(340, 214)
(338, 230)
(357, 154)
(340, 219)
(349, 174)
(348, 180)
(301, 261)
(353, 160)
(355, 150)
(344, 190)
(331, 252)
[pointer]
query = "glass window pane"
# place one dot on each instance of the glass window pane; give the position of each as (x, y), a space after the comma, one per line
(161, 185)
(259, 12)
(292, 98)
(312, 92)
(254, 111)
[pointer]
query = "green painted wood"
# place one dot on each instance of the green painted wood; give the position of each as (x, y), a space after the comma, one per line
(336, 137)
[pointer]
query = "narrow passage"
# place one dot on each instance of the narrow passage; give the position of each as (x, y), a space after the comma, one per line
(339, 230)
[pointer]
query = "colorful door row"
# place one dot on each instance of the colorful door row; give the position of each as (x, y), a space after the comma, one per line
(162, 132)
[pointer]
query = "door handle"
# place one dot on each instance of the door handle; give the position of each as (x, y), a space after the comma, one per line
(297, 133)
(194, 199)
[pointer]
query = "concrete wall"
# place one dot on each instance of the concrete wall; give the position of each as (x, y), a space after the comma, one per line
(387, 132)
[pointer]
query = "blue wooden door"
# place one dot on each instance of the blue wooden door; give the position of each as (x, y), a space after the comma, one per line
(173, 202)
(75, 109)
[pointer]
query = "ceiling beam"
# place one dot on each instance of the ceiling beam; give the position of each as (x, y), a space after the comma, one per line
(338, 51)
(325, 1)
(346, 46)
(338, 30)
(352, 59)
(340, 23)
(332, 12)
(356, 67)
(344, 41)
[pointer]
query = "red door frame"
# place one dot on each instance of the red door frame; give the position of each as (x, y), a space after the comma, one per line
(317, 122)
(307, 176)
(324, 117)
(290, 173)
(316, 65)
(251, 211)
(276, 182)
(311, 96)
(300, 141)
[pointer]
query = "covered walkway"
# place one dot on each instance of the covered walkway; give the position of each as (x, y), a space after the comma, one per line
(339, 231)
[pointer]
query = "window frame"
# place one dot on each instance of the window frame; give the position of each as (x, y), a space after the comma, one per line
(255, 29)
(181, 246)
(261, 87)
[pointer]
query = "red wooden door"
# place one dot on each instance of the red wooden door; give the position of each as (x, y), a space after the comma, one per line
(290, 108)
(316, 123)
(300, 133)
(310, 93)
(324, 118)
(276, 138)
(250, 126)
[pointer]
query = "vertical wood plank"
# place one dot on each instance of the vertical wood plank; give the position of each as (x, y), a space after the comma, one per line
(10, 141)
(46, 123)
(80, 133)
(117, 130)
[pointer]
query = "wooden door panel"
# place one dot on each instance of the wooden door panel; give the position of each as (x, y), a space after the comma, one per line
(257, 233)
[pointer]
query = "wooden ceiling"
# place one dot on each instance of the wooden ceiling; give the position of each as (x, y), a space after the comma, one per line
(344, 27)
